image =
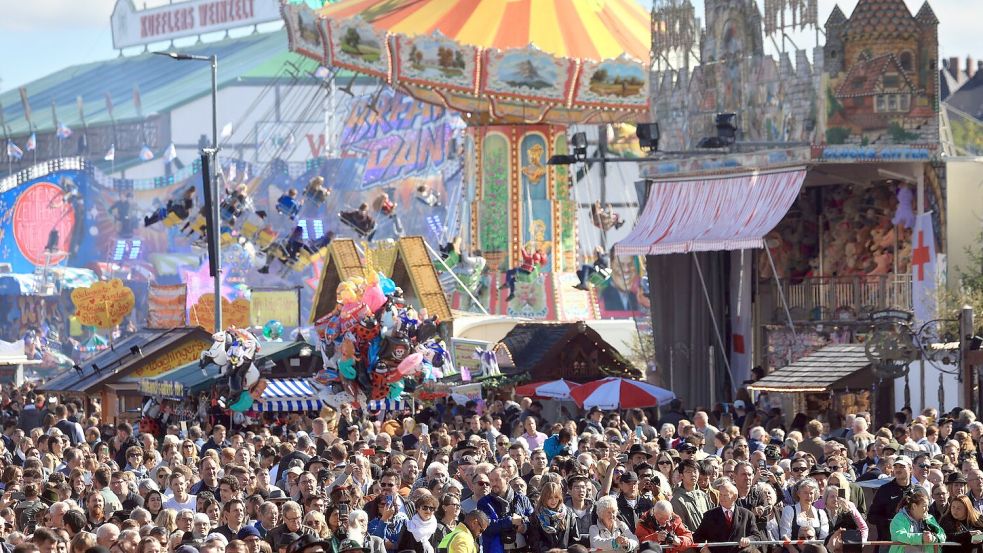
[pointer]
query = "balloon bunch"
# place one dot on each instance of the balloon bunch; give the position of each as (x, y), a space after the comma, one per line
(233, 351)
(374, 344)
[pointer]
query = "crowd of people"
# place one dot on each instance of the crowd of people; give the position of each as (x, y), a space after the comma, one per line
(448, 478)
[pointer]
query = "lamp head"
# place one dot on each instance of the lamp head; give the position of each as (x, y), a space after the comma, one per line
(648, 136)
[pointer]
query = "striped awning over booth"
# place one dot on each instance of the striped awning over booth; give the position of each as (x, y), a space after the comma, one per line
(288, 394)
(386, 404)
(731, 212)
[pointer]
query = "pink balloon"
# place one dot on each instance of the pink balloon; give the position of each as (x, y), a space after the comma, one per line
(410, 365)
(374, 297)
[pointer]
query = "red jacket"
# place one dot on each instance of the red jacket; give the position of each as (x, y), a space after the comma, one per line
(645, 530)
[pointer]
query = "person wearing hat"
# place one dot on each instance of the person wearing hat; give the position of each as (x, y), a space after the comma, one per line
(311, 543)
(888, 497)
(631, 503)
(594, 417)
(956, 484)
(250, 535)
(637, 454)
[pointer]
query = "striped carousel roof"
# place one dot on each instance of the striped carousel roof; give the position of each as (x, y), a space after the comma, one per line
(580, 29)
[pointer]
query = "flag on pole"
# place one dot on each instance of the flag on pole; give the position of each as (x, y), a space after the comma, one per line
(232, 172)
(245, 173)
(924, 278)
(26, 105)
(227, 130)
(170, 154)
(111, 154)
(109, 104)
(32, 142)
(146, 153)
(13, 152)
(63, 131)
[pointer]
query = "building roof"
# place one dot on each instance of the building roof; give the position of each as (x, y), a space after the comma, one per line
(864, 76)
(120, 358)
(926, 15)
(163, 83)
(836, 17)
(194, 380)
(968, 98)
(880, 19)
(531, 345)
(832, 367)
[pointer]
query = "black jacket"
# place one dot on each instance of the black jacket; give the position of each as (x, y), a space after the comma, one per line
(630, 515)
(407, 541)
(885, 505)
(584, 522)
(714, 528)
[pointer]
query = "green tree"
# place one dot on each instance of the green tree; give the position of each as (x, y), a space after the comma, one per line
(352, 38)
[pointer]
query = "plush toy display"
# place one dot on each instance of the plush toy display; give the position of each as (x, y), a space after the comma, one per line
(863, 230)
(372, 344)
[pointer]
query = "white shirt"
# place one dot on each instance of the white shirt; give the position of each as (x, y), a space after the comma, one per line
(177, 506)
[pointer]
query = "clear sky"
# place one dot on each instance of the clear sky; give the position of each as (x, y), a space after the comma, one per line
(39, 37)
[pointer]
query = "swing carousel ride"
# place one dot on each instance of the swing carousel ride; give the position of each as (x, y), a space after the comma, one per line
(518, 77)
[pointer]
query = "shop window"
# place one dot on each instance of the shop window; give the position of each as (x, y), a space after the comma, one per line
(892, 102)
(880, 103)
(905, 101)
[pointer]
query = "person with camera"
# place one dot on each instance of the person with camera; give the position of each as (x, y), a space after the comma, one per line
(660, 525)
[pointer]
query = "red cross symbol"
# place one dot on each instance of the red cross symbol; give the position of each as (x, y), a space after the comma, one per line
(919, 256)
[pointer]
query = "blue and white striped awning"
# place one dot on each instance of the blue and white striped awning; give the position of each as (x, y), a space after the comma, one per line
(387, 404)
(288, 394)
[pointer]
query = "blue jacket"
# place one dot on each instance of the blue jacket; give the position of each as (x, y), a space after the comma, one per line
(500, 511)
(552, 447)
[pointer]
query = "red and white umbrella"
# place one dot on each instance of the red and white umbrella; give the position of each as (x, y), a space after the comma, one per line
(620, 393)
(551, 389)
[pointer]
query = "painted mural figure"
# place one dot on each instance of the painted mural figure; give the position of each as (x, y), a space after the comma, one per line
(175, 211)
(601, 267)
(605, 218)
(528, 269)
(122, 208)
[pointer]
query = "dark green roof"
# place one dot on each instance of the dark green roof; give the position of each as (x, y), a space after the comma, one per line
(194, 380)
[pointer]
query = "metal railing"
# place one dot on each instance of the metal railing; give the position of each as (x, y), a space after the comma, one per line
(827, 298)
(816, 542)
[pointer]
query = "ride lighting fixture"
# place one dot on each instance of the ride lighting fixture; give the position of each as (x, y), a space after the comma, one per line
(726, 132)
(561, 159)
(135, 350)
(579, 144)
(648, 136)
(78, 368)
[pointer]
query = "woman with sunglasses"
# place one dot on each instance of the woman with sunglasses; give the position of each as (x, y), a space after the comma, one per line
(420, 532)
(448, 514)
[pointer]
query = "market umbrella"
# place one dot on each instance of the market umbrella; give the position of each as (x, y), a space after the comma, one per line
(620, 393)
(550, 389)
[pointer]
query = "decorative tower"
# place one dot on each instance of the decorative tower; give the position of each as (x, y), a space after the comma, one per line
(833, 49)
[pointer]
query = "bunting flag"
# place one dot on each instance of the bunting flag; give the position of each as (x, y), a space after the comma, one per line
(137, 104)
(63, 131)
(146, 153)
(13, 152)
(109, 104)
(227, 130)
(231, 173)
(26, 105)
(32, 142)
(111, 154)
(170, 154)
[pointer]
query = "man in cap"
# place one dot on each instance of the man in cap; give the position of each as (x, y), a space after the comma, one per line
(310, 543)
(594, 417)
(956, 483)
(631, 504)
(466, 536)
(885, 503)
(250, 535)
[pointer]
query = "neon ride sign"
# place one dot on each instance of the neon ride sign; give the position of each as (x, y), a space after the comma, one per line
(401, 138)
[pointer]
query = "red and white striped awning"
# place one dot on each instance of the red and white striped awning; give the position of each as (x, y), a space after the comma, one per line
(731, 212)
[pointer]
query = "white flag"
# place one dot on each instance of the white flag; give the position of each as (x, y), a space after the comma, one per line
(924, 277)
(227, 130)
(170, 154)
(231, 173)
(111, 154)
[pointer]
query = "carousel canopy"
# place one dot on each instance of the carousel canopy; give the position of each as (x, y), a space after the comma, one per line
(517, 61)
(582, 29)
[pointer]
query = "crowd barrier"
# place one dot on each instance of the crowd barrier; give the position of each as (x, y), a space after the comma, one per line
(811, 542)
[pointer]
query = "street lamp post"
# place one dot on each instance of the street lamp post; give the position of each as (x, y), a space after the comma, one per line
(214, 228)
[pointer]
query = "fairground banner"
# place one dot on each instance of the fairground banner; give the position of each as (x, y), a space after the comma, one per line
(274, 305)
(166, 306)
